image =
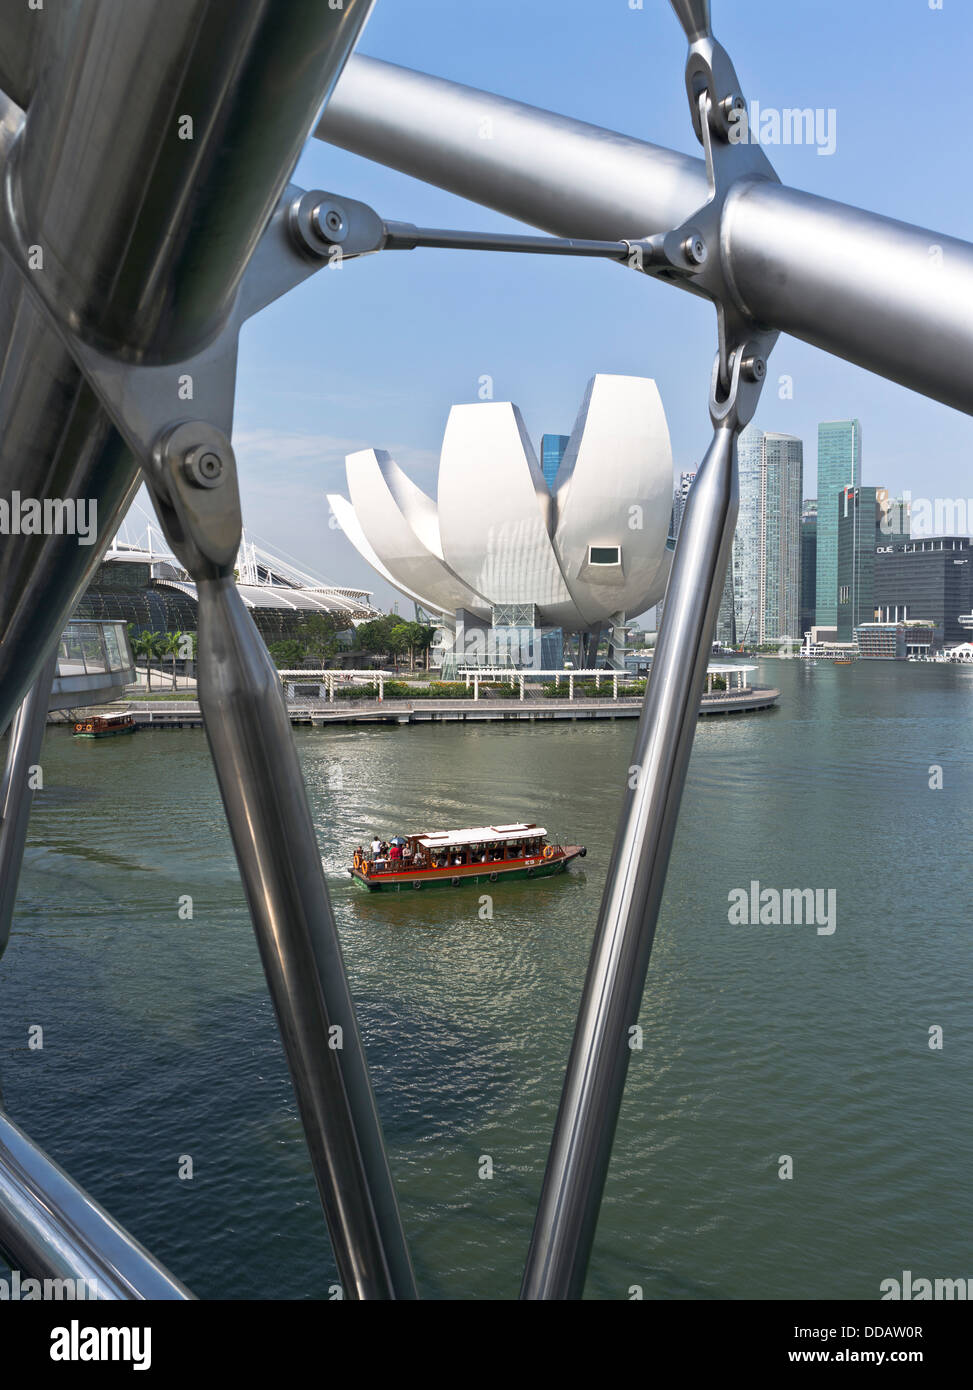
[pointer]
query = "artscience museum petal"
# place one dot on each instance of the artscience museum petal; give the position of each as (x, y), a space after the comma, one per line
(501, 549)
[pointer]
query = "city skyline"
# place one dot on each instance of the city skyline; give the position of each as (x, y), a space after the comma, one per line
(418, 332)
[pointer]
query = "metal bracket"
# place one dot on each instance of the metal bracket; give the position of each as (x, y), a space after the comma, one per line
(185, 451)
(718, 109)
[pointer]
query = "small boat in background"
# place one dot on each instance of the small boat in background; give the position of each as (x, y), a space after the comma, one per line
(449, 858)
(105, 726)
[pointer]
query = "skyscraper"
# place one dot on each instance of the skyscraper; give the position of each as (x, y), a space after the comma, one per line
(839, 466)
(809, 561)
(552, 452)
(858, 513)
(767, 544)
(679, 496)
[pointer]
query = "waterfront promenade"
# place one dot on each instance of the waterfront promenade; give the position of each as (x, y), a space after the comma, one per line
(318, 713)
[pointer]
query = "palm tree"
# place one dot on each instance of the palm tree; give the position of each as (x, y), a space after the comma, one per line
(147, 644)
(171, 646)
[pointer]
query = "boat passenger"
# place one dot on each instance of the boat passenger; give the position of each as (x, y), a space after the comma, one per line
(376, 847)
(395, 852)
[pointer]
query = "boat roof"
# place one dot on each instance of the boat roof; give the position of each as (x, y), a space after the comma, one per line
(478, 835)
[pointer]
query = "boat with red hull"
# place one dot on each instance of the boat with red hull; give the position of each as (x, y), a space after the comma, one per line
(451, 858)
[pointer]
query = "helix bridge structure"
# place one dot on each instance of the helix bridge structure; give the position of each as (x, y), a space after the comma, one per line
(147, 212)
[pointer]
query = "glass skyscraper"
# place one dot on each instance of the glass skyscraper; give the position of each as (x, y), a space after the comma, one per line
(809, 562)
(767, 544)
(839, 466)
(858, 515)
(552, 452)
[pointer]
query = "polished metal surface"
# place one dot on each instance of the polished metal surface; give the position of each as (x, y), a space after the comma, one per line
(24, 32)
(568, 177)
(169, 225)
(266, 806)
(568, 1209)
(51, 1229)
(263, 793)
(16, 792)
(171, 213)
(144, 216)
(856, 284)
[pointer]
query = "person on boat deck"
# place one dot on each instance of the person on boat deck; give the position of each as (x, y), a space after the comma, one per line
(395, 852)
(384, 849)
(407, 853)
(376, 846)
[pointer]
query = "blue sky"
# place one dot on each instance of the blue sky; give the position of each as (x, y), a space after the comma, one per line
(375, 355)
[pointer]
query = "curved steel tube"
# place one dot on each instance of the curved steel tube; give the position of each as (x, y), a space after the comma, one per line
(51, 1229)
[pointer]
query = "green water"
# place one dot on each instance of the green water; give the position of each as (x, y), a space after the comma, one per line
(758, 1041)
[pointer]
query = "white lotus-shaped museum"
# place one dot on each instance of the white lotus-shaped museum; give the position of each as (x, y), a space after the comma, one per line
(579, 554)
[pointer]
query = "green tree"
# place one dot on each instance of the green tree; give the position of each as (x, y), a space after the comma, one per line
(287, 655)
(320, 635)
(376, 636)
(172, 646)
(148, 645)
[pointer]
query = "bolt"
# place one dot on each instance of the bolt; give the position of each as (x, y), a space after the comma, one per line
(754, 368)
(329, 222)
(734, 102)
(203, 467)
(694, 248)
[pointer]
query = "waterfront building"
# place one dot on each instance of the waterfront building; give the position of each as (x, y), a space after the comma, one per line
(839, 466)
(896, 641)
(809, 562)
(150, 590)
(496, 556)
(766, 561)
(552, 452)
(929, 578)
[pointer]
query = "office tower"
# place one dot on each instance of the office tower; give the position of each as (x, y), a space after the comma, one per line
(809, 561)
(858, 515)
(552, 452)
(895, 523)
(766, 564)
(679, 497)
(925, 580)
(839, 466)
(726, 629)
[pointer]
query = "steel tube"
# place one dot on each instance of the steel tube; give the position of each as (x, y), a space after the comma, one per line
(24, 33)
(266, 806)
(51, 1229)
(595, 1079)
(168, 227)
(171, 155)
(16, 795)
(863, 287)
